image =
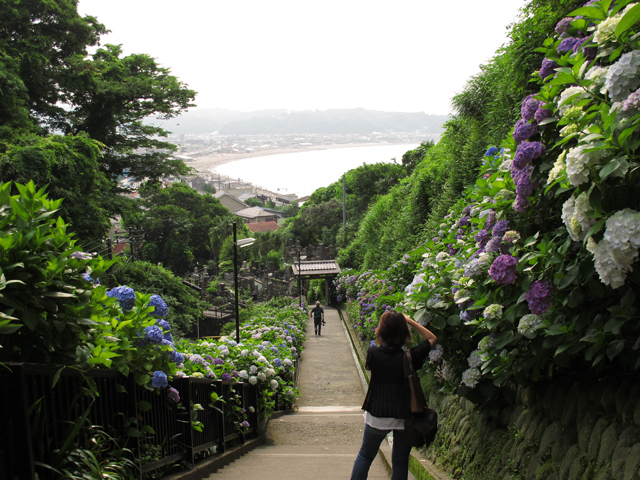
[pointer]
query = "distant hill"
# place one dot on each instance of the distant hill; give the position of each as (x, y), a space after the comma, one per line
(349, 121)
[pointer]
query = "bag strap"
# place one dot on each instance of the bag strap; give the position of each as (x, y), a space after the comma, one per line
(407, 357)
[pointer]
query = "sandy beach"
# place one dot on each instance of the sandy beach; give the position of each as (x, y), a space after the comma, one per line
(210, 162)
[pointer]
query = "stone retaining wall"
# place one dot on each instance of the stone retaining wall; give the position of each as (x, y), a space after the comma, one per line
(566, 429)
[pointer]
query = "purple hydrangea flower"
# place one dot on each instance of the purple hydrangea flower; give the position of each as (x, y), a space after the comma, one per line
(339, 298)
(563, 25)
(235, 374)
(567, 44)
(548, 68)
(87, 277)
(154, 334)
(372, 344)
(469, 315)
(226, 377)
(589, 52)
(529, 107)
(542, 113)
(173, 394)
(523, 131)
(632, 102)
(494, 244)
(500, 228)
(526, 152)
(482, 237)
(503, 269)
(467, 209)
(161, 309)
(492, 151)
(277, 362)
(539, 297)
(245, 424)
(159, 379)
(218, 361)
(522, 179)
(464, 221)
(125, 295)
(521, 203)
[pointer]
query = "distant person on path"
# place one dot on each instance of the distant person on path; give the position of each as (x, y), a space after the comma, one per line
(318, 318)
(387, 403)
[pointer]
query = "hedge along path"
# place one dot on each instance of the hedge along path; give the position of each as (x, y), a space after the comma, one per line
(320, 440)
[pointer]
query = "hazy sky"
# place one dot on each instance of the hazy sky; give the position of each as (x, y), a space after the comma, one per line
(404, 56)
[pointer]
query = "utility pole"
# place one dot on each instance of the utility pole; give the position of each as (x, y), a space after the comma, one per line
(344, 201)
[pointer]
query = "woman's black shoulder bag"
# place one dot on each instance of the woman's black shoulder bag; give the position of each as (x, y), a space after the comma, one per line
(422, 427)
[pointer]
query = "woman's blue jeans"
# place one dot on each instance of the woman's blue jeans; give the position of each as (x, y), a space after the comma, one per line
(371, 441)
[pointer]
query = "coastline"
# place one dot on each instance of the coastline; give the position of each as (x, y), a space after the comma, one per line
(208, 163)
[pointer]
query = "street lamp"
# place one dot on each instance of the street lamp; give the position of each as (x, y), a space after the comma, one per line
(300, 258)
(245, 242)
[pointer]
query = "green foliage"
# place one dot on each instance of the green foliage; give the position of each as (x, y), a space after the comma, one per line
(208, 188)
(254, 202)
(46, 303)
(320, 218)
(181, 227)
(184, 303)
(69, 167)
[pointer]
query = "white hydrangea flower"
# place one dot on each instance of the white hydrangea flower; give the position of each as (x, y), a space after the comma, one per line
(478, 265)
(418, 279)
(622, 236)
(274, 384)
(579, 161)
(471, 377)
(253, 369)
(505, 166)
(243, 374)
(244, 353)
(492, 312)
(436, 302)
(270, 372)
(261, 359)
(253, 380)
(261, 376)
(569, 96)
(598, 76)
(529, 324)
(288, 362)
(435, 355)
(610, 272)
(606, 29)
(574, 216)
(475, 360)
(558, 168)
(622, 77)
(441, 256)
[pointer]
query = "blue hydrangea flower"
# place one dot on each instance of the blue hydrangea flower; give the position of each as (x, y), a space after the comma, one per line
(491, 151)
(176, 357)
(159, 379)
(154, 334)
(164, 325)
(278, 362)
(125, 295)
(87, 277)
(161, 309)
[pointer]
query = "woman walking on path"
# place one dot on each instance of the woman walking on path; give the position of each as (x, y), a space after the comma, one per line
(387, 403)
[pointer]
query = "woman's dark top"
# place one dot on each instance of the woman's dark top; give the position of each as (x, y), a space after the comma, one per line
(389, 392)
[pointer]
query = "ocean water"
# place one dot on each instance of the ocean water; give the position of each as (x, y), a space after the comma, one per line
(304, 172)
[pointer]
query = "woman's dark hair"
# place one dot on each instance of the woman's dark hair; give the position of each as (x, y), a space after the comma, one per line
(392, 329)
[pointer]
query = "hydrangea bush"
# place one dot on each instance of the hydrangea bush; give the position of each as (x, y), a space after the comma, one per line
(270, 343)
(362, 293)
(534, 274)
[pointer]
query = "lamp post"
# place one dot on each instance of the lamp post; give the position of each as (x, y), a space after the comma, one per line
(300, 258)
(245, 242)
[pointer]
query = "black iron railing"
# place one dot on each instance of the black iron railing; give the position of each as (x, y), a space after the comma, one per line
(37, 417)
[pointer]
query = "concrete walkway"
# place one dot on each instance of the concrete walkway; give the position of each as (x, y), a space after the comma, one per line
(321, 440)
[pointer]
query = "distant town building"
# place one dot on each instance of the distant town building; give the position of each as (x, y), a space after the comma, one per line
(232, 203)
(263, 226)
(257, 214)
